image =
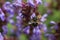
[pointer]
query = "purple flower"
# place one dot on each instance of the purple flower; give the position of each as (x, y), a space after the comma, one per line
(44, 27)
(2, 15)
(18, 33)
(19, 26)
(49, 11)
(26, 30)
(5, 29)
(43, 18)
(30, 2)
(20, 14)
(36, 31)
(10, 11)
(17, 3)
(51, 37)
(46, 4)
(13, 32)
(10, 16)
(36, 34)
(11, 21)
(34, 37)
(39, 1)
(46, 35)
(56, 27)
(6, 5)
(1, 37)
(45, 15)
(33, 15)
(52, 22)
(18, 18)
(31, 5)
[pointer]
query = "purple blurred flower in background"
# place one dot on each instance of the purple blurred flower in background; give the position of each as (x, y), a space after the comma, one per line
(2, 15)
(10, 11)
(50, 36)
(10, 16)
(19, 27)
(52, 22)
(49, 11)
(39, 1)
(54, 25)
(11, 21)
(5, 29)
(1, 37)
(18, 17)
(8, 7)
(44, 28)
(46, 4)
